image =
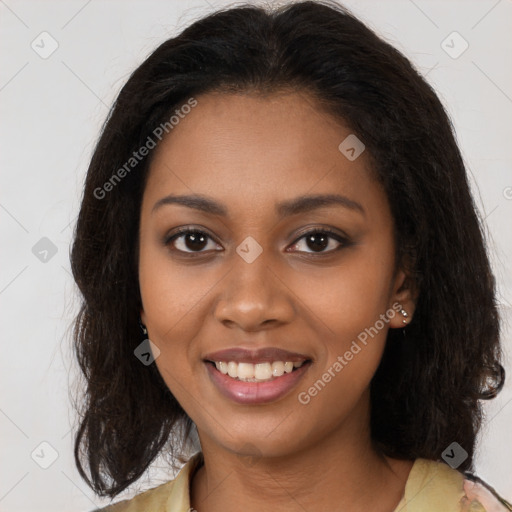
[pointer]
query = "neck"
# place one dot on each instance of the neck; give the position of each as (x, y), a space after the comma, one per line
(340, 472)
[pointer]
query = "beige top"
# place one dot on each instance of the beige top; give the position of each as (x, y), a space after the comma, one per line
(431, 487)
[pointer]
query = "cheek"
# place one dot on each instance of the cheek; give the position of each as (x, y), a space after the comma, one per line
(347, 309)
(173, 300)
(349, 297)
(172, 294)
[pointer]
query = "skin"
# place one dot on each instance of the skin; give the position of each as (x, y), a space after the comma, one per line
(250, 152)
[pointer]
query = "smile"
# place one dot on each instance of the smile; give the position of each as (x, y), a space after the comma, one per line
(259, 372)
(256, 376)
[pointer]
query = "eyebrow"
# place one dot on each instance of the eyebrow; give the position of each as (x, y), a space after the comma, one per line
(300, 204)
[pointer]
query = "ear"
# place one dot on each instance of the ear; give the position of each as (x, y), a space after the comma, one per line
(403, 298)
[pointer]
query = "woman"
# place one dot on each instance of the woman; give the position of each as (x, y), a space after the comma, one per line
(278, 250)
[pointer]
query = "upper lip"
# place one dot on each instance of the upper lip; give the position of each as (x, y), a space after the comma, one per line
(260, 355)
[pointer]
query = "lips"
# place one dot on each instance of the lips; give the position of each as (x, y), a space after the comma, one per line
(262, 355)
(266, 387)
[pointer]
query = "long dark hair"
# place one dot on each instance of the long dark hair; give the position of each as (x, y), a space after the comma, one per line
(426, 392)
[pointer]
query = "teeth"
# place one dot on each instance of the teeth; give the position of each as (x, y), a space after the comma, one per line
(258, 372)
(262, 371)
(232, 369)
(245, 371)
(277, 368)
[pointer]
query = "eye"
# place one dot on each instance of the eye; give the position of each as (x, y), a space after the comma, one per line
(320, 239)
(188, 240)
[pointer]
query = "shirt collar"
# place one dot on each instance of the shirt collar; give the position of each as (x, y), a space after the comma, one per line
(179, 497)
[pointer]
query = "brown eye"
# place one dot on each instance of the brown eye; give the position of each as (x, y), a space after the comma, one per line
(319, 240)
(190, 241)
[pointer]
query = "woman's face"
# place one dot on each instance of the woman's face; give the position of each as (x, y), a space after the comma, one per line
(252, 283)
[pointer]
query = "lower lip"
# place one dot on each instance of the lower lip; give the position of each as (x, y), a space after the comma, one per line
(255, 392)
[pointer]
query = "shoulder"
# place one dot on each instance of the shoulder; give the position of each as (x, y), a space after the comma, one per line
(434, 485)
(477, 490)
(155, 498)
(172, 495)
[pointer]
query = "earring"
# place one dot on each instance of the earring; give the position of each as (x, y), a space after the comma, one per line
(142, 327)
(405, 315)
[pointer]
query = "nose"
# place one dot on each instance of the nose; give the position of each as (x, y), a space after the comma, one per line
(254, 296)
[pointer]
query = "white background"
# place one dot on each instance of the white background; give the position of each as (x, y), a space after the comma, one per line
(51, 112)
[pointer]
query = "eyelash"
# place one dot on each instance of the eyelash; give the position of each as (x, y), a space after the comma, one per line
(331, 234)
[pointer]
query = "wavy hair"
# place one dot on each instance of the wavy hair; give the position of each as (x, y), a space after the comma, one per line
(426, 392)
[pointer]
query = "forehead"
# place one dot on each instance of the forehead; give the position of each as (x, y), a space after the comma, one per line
(246, 149)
